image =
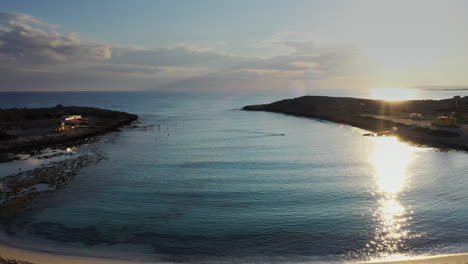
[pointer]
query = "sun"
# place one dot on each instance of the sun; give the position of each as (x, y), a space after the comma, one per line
(394, 94)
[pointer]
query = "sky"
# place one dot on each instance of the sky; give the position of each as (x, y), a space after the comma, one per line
(59, 45)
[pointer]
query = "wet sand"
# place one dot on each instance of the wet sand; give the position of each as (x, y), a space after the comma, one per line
(7, 252)
(461, 258)
(33, 257)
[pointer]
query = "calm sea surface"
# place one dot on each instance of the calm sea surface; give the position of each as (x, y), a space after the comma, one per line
(210, 183)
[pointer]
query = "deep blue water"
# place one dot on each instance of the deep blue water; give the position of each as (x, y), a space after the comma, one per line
(213, 183)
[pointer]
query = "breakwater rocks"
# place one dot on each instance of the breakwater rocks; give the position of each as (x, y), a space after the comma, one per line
(19, 191)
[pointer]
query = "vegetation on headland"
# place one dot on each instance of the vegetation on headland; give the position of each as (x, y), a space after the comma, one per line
(381, 115)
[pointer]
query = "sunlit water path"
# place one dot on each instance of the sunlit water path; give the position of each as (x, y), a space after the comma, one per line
(213, 183)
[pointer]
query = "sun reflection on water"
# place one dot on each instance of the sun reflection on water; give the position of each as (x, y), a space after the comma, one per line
(390, 159)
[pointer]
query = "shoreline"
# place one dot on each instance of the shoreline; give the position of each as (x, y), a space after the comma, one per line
(455, 258)
(35, 257)
(379, 116)
(24, 256)
(30, 130)
(20, 191)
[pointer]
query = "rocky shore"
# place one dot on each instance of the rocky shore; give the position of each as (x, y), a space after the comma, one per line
(22, 190)
(33, 128)
(19, 191)
(12, 261)
(380, 115)
(29, 131)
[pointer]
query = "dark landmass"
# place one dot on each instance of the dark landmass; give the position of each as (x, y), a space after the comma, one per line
(380, 115)
(441, 87)
(25, 129)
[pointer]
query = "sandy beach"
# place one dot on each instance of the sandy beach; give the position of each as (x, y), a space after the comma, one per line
(34, 257)
(461, 258)
(8, 252)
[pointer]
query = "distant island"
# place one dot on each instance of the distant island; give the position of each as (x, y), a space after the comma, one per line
(434, 123)
(441, 87)
(30, 130)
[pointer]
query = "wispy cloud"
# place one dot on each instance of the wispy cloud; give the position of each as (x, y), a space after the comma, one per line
(36, 56)
(22, 43)
(13, 18)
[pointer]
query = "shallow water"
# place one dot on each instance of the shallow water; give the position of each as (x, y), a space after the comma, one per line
(210, 183)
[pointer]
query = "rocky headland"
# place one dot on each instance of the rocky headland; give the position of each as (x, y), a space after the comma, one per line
(23, 129)
(385, 117)
(32, 130)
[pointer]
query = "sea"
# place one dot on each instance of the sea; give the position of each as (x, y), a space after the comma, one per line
(201, 181)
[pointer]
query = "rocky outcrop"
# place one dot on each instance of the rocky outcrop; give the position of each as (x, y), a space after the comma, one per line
(19, 191)
(29, 130)
(25, 129)
(12, 261)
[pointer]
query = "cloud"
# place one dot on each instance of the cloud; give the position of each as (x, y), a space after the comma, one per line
(307, 65)
(35, 56)
(21, 43)
(178, 56)
(13, 18)
(230, 80)
(126, 69)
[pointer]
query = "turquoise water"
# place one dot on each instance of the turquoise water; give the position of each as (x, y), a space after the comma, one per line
(210, 183)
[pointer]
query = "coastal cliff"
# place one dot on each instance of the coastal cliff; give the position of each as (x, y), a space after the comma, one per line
(384, 116)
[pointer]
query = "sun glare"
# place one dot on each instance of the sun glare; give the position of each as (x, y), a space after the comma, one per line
(394, 94)
(390, 160)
